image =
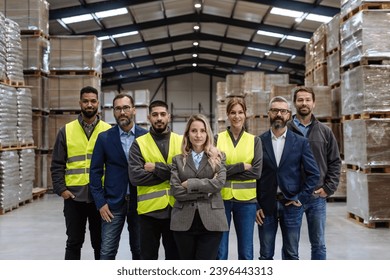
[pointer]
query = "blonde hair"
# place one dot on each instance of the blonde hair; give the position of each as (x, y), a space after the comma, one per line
(211, 151)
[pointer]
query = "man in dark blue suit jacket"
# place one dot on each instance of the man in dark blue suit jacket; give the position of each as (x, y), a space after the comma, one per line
(290, 173)
(114, 196)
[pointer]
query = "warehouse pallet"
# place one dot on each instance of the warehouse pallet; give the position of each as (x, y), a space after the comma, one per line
(364, 116)
(335, 85)
(336, 198)
(16, 83)
(7, 147)
(75, 73)
(65, 112)
(366, 6)
(8, 209)
(369, 170)
(330, 52)
(364, 61)
(38, 192)
(369, 224)
(38, 33)
(35, 73)
(320, 64)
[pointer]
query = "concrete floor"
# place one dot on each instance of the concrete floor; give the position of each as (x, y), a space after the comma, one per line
(36, 231)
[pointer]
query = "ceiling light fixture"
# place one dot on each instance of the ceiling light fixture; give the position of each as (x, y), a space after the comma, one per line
(194, 64)
(196, 27)
(195, 44)
(194, 55)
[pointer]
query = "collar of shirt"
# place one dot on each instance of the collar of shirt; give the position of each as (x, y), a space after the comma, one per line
(303, 128)
(281, 136)
(131, 132)
(91, 125)
(197, 157)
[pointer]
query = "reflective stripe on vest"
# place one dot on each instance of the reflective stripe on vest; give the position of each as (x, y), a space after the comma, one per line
(80, 152)
(152, 198)
(243, 152)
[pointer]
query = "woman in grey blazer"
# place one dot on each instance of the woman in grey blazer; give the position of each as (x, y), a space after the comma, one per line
(198, 216)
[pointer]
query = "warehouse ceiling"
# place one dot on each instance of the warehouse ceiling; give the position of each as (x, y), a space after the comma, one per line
(156, 38)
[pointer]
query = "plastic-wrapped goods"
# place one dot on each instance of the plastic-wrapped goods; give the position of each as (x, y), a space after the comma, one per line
(29, 14)
(320, 76)
(275, 79)
(333, 33)
(141, 97)
(364, 36)
(35, 53)
(365, 89)
(38, 85)
(9, 180)
(24, 126)
(333, 68)
(77, 53)
(8, 116)
(253, 81)
(221, 111)
(234, 85)
(257, 125)
(367, 142)
(3, 49)
(14, 55)
(368, 195)
(309, 56)
(347, 6)
(323, 101)
(221, 91)
(64, 90)
(27, 173)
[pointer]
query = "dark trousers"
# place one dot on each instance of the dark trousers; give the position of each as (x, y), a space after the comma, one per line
(198, 243)
(76, 216)
(151, 230)
(133, 225)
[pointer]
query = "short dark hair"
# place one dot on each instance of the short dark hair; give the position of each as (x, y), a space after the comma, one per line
(89, 89)
(306, 89)
(157, 103)
(234, 101)
(122, 95)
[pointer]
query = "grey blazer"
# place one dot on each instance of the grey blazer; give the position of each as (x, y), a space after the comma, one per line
(203, 193)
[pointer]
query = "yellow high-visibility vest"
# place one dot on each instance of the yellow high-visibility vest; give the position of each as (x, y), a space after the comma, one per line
(243, 152)
(80, 150)
(152, 198)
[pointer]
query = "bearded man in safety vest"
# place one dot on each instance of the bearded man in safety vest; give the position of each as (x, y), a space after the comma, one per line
(150, 160)
(71, 160)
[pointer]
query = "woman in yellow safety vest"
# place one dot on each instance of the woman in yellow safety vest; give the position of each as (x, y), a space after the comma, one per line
(243, 166)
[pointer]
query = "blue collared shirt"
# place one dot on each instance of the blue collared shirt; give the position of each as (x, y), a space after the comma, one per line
(197, 158)
(127, 139)
(303, 128)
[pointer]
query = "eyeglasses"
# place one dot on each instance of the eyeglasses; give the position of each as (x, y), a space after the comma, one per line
(125, 109)
(275, 111)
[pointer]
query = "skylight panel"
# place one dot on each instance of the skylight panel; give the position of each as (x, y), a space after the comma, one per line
(318, 18)
(111, 13)
(299, 39)
(286, 12)
(270, 34)
(75, 19)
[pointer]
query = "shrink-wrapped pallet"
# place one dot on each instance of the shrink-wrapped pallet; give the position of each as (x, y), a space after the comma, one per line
(365, 89)
(38, 85)
(35, 53)
(349, 6)
(363, 36)
(75, 53)
(14, 55)
(40, 129)
(221, 91)
(257, 125)
(64, 90)
(29, 14)
(275, 79)
(27, 173)
(333, 34)
(3, 49)
(367, 142)
(323, 101)
(234, 85)
(333, 68)
(9, 180)
(320, 76)
(257, 103)
(8, 119)
(56, 121)
(253, 81)
(309, 56)
(24, 116)
(368, 195)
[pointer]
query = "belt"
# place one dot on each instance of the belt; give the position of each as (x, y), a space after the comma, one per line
(279, 196)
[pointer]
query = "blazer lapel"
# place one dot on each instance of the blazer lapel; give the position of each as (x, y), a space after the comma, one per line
(268, 147)
(288, 146)
(191, 163)
(116, 141)
(202, 163)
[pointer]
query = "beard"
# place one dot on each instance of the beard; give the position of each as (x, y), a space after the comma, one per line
(278, 123)
(123, 122)
(159, 129)
(304, 113)
(89, 114)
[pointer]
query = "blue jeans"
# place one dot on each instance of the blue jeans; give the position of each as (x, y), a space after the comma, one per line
(290, 219)
(244, 218)
(111, 233)
(315, 211)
